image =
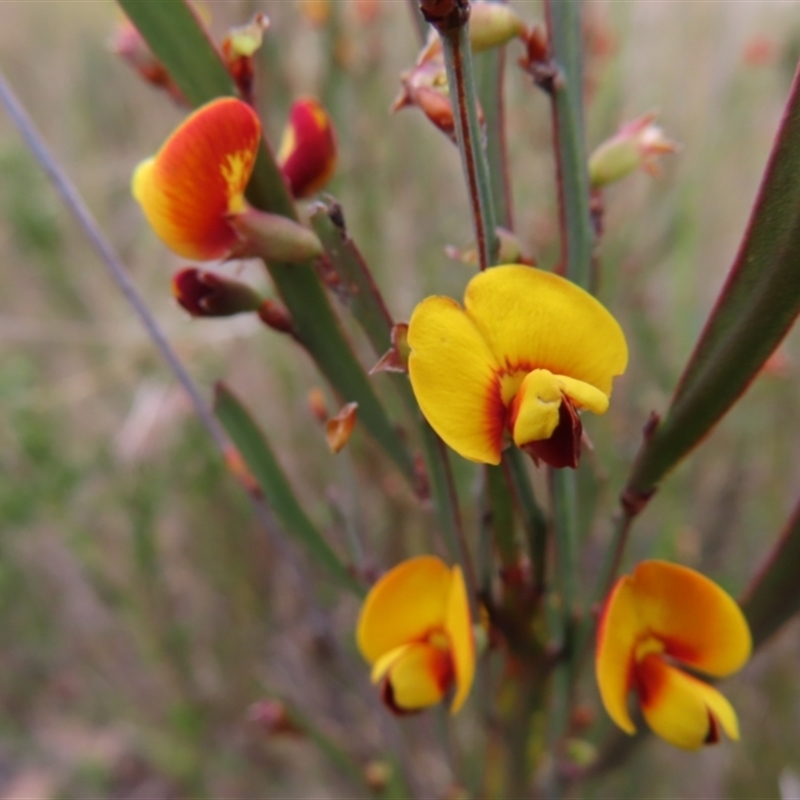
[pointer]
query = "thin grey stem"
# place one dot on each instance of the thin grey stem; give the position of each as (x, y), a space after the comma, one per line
(108, 255)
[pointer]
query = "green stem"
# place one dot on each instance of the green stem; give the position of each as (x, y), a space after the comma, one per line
(500, 513)
(490, 74)
(461, 82)
(446, 497)
(577, 233)
(533, 517)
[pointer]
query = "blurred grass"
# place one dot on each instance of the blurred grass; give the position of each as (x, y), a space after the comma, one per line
(141, 610)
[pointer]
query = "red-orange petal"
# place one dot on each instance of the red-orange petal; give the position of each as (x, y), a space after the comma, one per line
(698, 623)
(307, 154)
(198, 178)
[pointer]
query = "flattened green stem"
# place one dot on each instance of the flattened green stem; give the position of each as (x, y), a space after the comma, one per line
(500, 512)
(758, 304)
(577, 232)
(258, 455)
(446, 498)
(461, 83)
(489, 77)
(533, 517)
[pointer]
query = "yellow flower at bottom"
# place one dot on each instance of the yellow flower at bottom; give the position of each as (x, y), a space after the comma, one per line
(194, 184)
(416, 632)
(525, 353)
(659, 618)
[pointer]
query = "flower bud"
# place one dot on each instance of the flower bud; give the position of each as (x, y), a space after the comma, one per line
(130, 46)
(307, 155)
(317, 404)
(317, 12)
(339, 428)
(207, 294)
(425, 87)
(273, 237)
(377, 775)
(276, 316)
(239, 469)
(636, 145)
(238, 49)
(492, 24)
(273, 718)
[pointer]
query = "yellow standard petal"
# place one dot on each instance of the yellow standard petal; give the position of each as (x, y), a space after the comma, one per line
(617, 634)
(454, 377)
(404, 606)
(458, 628)
(537, 320)
(680, 708)
(698, 622)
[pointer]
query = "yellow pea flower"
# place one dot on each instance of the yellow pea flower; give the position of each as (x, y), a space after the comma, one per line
(656, 620)
(525, 353)
(416, 632)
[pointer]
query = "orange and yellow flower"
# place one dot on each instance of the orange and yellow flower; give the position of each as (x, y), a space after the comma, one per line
(415, 630)
(307, 155)
(656, 620)
(525, 353)
(195, 184)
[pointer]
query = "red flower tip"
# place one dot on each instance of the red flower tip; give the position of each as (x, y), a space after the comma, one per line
(206, 294)
(308, 153)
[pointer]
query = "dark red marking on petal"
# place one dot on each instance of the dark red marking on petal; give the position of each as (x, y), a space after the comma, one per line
(563, 448)
(713, 735)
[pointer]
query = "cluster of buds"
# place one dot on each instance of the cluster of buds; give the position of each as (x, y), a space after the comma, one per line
(237, 50)
(491, 24)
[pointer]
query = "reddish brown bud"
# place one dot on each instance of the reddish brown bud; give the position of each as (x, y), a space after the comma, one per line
(425, 87)
(377, 775)
(207, 294)
(317, 12)
(238, 49)
(276, 316)
(395, 359)
(317, 404)
(240, 470)
(445, 15)
(130, 46)
(273, 719)
(339, 428)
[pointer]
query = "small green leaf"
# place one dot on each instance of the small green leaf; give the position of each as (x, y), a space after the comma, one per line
(758, 305)
(178, 40)
(260, 460)
(773, 597)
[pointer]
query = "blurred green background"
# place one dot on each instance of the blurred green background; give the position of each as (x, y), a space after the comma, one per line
(142, 611)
